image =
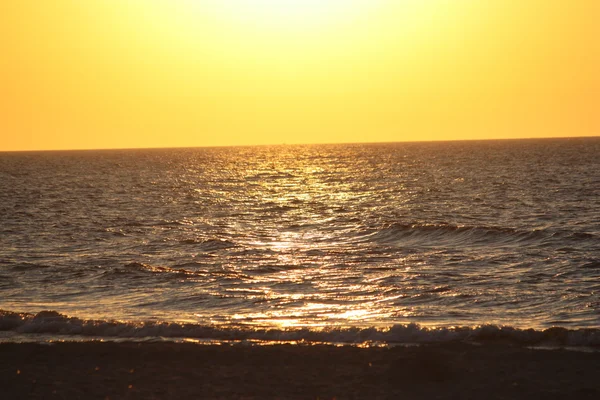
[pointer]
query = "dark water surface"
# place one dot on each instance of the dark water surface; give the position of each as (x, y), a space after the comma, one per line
(320, 236)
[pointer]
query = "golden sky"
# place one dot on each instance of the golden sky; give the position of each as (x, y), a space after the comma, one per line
(167, 73)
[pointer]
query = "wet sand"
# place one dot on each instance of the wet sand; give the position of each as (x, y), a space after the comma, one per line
(189, 371)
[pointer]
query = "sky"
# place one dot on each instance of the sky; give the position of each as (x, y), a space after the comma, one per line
(168, 73)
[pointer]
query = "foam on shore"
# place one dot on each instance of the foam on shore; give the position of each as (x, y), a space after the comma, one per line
(54, 323)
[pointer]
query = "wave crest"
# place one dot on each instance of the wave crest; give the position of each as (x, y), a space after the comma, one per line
(449, 234)
(52, 322)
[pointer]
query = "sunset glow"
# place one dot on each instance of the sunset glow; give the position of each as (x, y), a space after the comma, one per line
(280, 15)
(158, 73)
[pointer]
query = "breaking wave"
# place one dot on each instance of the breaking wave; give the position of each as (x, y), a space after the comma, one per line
(54, 323)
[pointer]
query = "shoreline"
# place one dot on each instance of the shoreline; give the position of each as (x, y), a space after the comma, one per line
(110, 370)
(51, 325)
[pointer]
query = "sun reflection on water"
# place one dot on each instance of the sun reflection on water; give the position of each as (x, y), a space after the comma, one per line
(313, 236)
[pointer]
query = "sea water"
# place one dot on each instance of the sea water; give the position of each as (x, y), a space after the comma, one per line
(353, 242)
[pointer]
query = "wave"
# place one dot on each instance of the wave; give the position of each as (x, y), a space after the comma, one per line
(141, 267)
(210, 244)
(52, 322)
(449, 234)
(25, 266)
(178, 271)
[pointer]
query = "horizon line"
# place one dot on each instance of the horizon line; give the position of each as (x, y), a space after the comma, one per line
(299, 144)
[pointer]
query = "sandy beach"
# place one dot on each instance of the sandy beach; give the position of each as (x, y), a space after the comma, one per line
(190, 371)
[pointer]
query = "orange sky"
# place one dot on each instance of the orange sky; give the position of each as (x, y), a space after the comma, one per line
(164, 73)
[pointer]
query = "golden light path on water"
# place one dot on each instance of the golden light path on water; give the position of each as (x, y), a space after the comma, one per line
(320, 273)
(321, 307)
(305, 238)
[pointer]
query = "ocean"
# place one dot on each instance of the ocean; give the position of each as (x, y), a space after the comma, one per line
(352, 243)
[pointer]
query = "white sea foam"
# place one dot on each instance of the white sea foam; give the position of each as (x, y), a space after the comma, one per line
(54, 323)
